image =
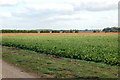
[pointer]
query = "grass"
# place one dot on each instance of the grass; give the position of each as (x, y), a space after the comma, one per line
(50, 66)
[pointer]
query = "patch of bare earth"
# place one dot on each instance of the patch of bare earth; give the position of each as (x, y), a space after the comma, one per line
(9, 71)
(58, 33)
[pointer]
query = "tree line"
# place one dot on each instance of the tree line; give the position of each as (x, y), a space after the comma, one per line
(112, 29)
(41, 31)
(108, 29)
(19, 31)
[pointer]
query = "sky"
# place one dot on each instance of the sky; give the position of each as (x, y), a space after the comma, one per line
(58, 14)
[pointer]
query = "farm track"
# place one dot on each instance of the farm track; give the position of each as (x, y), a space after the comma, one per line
(9, 71)
(58, 33)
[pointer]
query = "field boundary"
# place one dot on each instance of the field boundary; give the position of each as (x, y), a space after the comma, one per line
(58, 33)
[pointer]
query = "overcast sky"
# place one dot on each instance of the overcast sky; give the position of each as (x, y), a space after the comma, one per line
(58, 14)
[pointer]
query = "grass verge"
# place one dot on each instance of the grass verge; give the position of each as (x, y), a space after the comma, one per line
(51, 66)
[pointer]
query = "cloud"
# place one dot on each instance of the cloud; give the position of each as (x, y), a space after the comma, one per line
(57, 13)
(56, 7)
(43, 11)
(52, 8)
(70, 17)
(94, 5)
(49, 12)
(11, 2)
(69, 7)
(5, 14)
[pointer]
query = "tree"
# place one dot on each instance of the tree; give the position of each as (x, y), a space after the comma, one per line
(94, 31)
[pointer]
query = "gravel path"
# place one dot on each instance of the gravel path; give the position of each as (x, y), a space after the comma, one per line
(9, 71)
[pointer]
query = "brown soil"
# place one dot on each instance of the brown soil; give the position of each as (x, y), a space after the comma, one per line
(58, 33)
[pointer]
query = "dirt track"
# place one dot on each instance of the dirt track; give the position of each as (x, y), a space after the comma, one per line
(9, 71)
(58, 33)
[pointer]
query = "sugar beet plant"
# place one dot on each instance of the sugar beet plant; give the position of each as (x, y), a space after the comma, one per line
(98, 48)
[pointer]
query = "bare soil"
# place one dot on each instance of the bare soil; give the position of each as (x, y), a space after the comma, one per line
(58, 33)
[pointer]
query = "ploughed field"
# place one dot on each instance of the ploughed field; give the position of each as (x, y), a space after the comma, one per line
(59, 33)
(98, 48)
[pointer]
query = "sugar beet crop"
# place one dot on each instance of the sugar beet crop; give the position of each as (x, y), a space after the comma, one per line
(98, 48)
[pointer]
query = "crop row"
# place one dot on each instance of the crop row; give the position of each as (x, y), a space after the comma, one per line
(98, 48)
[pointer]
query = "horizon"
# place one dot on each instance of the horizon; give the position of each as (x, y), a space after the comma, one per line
(55, 29)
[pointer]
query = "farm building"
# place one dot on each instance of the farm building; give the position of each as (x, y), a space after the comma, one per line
(44, 30)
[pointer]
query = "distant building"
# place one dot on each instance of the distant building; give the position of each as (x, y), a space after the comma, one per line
(39, 30)
(61, 31)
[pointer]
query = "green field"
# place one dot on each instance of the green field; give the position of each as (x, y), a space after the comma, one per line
(97, 48)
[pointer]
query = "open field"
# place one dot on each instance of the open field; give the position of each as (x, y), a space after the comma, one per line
(63, 56)
(49, 66)
(58, 33)
(98, 48)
